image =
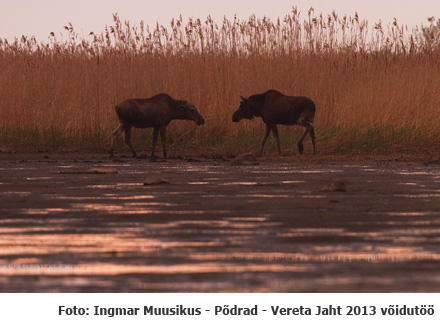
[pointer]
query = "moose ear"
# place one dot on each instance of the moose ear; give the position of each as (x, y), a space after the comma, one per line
(243, 98)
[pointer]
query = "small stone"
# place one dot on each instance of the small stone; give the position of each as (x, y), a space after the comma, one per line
(102, 170)
(334, 186)
(244, 159)
(151, 180)
(95, 170)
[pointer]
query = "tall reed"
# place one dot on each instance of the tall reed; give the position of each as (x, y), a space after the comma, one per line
(376, 87)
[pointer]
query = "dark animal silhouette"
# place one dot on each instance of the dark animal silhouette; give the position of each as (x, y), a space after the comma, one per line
(276, 108)
(155, 112)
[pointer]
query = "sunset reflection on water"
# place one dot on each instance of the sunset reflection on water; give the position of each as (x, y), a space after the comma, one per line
(218, 228)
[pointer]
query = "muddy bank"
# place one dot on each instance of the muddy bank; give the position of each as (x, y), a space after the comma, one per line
(217, 228)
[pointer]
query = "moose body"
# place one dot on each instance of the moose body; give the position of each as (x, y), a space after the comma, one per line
(156, 112)
(275, 109)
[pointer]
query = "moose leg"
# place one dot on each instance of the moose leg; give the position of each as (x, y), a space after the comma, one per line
(115, 134)
(128, 140)
(277, 138)
(313, 137)
(155, 134)
(266, 135)
(163, 132)
(300, 142)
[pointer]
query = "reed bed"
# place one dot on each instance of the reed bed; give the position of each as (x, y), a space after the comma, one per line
(376, 87)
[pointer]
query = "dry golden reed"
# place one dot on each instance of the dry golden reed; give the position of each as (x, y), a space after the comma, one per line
(376, 87)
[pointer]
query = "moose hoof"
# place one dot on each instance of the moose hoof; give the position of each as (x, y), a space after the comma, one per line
(301, 148)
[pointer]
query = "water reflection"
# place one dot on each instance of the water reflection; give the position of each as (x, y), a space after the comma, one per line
(241, 183)
(259, 219)
(116, 185)
(91, 269)
(16, 193)
(412, 214)
(44, 211)
(249, 196)
(417, 195)
(104, 197)
(39, 178)
(414, 173)
(264, 229)
(406, 214)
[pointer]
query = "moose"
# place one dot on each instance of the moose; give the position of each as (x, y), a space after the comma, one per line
(156, 112)
(276, 108)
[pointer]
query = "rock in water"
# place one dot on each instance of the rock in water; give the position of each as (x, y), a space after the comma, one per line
(244, 159)
(94, 170)
(334, 186)
(102, 170)
(151, 180)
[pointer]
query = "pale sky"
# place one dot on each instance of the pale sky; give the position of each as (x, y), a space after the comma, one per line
(40, 17)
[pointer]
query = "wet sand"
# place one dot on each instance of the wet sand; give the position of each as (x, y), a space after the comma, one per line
(216, 227)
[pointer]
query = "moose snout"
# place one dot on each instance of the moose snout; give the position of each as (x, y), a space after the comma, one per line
(235, 118)
(200, 121)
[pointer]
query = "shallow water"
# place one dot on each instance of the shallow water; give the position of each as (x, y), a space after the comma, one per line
(217, 228)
